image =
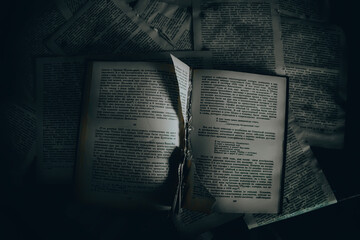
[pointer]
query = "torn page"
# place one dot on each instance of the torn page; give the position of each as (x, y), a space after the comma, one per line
(183, 77)
(237, 147)
(101, 27)
(60, 83)
(196, 214)
(243, 35)
(315, 10)
(315, 64)
(129, 135)
(305, 186)
(172, 21)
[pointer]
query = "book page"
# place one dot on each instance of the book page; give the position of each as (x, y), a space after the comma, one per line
(315, 65)
(243, 35)
(172, 21)
(237, 138)
(60, 83)
(129, 137)
(305, 185)
(106, 27)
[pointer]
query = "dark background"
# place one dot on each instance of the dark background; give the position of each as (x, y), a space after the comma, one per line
(32, 211)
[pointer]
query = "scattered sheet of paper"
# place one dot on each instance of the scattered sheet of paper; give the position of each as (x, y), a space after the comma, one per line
(102, 27)
(305, 185)
(19, 126)
(60, 83)
(30, 41)
(243, 35)
(172, 21)
(315, 65)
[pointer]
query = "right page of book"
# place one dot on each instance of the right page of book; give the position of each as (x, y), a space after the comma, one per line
(237, 138)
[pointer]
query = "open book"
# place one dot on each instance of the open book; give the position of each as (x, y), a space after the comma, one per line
(151, 131)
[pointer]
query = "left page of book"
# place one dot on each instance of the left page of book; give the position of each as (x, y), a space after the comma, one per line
(129, 139)
(102, 27)
(60, 83)
(237, 139)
